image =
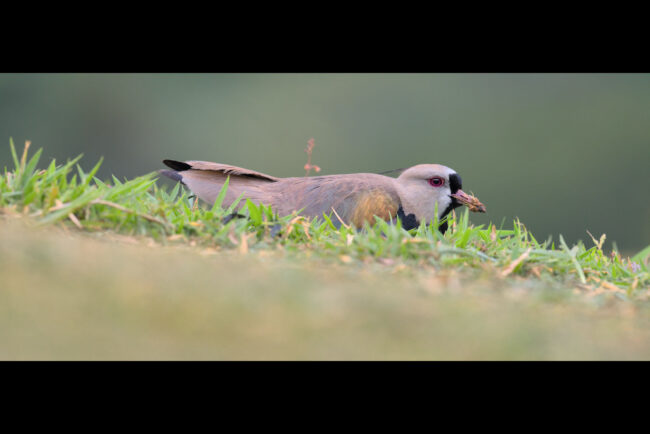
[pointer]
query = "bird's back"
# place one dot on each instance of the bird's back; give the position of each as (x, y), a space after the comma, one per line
(356, 198)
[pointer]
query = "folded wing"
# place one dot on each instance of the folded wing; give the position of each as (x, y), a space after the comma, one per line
(356, 198)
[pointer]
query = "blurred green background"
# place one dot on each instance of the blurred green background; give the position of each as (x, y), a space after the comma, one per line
(563, 152)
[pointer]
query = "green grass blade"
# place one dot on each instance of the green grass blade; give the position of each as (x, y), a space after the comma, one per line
(221, 196)
(14, 155)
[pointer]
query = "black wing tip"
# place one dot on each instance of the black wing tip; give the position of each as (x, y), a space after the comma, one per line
(177, 165)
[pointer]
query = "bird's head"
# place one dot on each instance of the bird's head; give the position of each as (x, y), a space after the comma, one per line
(423, 186)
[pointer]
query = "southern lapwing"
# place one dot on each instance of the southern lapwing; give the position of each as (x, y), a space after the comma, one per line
(353, 198)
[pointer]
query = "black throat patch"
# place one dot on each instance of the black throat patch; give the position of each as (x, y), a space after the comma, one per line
(408, 221)
(455, 184)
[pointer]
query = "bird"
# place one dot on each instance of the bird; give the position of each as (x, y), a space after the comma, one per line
(354, 199)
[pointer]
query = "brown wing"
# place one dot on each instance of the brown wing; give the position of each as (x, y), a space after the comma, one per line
(374, 203)
(356, 198)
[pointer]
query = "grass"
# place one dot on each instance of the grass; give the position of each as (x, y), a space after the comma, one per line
(129, 269)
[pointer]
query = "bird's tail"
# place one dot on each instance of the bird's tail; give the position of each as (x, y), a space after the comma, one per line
(206, 179)
(177, 166)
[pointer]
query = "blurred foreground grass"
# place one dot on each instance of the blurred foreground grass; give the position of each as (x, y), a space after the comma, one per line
(70, 296)
(93, 269)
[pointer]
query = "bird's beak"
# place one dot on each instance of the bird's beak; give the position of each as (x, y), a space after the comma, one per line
(472, 202)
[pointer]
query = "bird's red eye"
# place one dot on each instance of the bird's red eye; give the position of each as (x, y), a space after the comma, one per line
(437, 181)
